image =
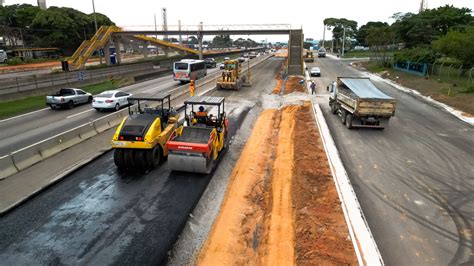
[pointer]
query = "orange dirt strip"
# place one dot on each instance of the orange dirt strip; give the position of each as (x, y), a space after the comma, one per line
(281, 206)
(235, 234)
(281, 240)
(321, 232)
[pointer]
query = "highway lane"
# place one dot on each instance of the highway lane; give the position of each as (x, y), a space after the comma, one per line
(24, 130)
(98, 216)
(414, 180)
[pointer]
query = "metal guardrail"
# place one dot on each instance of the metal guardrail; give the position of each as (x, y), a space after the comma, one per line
(22, 84)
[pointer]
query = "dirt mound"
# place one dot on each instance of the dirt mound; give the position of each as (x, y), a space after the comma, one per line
(293, 84)
(281, 206)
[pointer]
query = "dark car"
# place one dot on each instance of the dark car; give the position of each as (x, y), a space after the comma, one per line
(210, 62)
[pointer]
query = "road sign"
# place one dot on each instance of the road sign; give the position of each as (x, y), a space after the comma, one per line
(80, 76)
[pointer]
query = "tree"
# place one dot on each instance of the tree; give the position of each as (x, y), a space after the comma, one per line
(379, 38)
(458, 44)
(193, 40)
(339, 24)
(423, 28)
(363, 31)
(64, 28)
(220, 41)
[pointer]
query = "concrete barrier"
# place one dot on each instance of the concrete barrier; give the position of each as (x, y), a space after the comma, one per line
(37, 152)
(7, 167)
(109, 121)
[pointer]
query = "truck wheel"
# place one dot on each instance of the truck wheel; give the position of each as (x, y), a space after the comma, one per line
(343, 116)
(349, 121)
(52, 107)
(70, 104)
(333, 109)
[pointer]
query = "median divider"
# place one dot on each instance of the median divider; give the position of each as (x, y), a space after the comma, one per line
(28, 156)
(7, 167)
(109, 121)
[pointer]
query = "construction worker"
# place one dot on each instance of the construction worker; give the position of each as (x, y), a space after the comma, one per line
(201, 115)
(313, 87)
(192, 88)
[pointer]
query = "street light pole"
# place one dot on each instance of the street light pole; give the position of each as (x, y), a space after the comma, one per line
(96, 29)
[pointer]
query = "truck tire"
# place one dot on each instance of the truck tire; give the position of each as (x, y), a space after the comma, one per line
(70, 105)
(349, 118)
(333, 109)
(343, 116)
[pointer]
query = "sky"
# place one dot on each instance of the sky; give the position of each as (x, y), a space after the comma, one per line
(305, 14)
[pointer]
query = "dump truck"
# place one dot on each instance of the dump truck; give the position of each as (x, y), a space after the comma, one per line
(231, 77)
(359, 103)
(197, 145)
(139, 142)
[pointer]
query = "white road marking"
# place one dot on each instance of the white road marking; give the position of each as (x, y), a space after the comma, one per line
(18, 116)
(83, 112)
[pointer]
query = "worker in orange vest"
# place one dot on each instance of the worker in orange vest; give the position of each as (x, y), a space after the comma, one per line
(192, 88)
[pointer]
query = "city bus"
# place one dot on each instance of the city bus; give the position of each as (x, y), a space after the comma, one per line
(189, 69)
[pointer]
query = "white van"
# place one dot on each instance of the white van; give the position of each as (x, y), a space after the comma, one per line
(3, 57)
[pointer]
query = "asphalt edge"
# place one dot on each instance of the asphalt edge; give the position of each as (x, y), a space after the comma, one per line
(363, 241)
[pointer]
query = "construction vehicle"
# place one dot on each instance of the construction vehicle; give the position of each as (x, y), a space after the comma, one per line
(309, 56)
(139, 142)
(232, 77)
(359, 103)
(197, 145)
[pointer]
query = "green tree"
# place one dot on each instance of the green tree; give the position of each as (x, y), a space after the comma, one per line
(363, 31)
(458, 44)
(379, 38)
(222, 41)
(423, 28)
(339, 24)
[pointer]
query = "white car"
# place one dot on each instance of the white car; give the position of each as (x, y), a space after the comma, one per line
(222, 66)
(315, 72)
(110, 100)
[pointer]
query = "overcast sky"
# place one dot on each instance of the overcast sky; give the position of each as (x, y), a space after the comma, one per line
(307, 14)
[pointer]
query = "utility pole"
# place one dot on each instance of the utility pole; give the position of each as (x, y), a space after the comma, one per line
(165, 22)
(324, 35)
(179, 29)
(96, 29)
(343, 40)
(156, 36)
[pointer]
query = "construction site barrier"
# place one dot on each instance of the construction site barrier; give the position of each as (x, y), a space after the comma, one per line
(7, 167)
(28, 156)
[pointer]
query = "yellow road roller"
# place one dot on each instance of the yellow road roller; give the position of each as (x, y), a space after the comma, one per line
(139, 142)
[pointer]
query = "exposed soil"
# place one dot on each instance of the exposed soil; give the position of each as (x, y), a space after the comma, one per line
(279, 77)
(293, 85)
(440, 91)
(281, 206)
(320, 229)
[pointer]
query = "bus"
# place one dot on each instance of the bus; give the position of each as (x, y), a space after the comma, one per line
(189, 69)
